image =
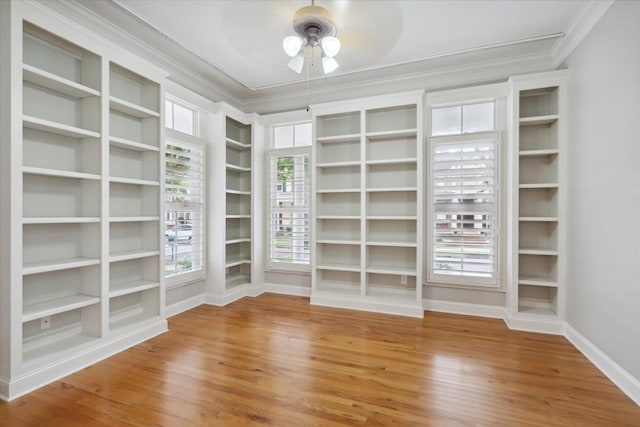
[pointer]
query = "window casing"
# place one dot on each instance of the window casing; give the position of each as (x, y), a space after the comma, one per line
(463, 208)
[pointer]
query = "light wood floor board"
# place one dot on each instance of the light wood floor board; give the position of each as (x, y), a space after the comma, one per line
(276, 360)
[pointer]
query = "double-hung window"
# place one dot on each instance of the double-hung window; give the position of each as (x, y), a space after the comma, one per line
(184, 195)
(289, 197)
(463, 208)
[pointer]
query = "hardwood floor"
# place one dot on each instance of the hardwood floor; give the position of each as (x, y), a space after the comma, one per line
(276, 360)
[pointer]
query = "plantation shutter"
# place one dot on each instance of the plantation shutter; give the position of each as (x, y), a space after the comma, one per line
(464, 208)
(289, 185)
(184, 206)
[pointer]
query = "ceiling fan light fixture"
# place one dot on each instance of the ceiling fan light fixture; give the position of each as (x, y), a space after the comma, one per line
(292, 45)
(329, 64)
(296, 63)
(330, 46)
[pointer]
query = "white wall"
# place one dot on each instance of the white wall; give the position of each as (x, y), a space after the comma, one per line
(603, 292)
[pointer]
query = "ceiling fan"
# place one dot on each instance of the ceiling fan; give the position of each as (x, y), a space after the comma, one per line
(314, 27)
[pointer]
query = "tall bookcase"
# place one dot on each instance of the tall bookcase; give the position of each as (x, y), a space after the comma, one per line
(538, 128)
(87, 206)
(238, 212)
(367, 190)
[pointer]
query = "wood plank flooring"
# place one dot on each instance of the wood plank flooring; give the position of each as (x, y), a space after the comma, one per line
(276, 360)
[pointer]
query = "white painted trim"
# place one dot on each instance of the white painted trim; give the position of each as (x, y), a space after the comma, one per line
(463, 308)
(535, 324)
(299, 291)
(620, 377)
(336, 301)
(35, 379)
(228, 297)
(579, 27)
(185, 305)
(255, 290)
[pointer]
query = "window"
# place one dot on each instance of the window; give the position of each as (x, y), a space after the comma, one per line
(290, 136)
(463, 205)
(179, 118)
(459, 119)
(184, 208)
(289, 219)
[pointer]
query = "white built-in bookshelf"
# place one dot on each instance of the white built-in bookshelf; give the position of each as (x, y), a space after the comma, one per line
(537, 288)
(367, 234)
(238, 203)
(90, 238)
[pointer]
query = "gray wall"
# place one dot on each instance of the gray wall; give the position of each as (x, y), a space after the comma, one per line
(603, 270)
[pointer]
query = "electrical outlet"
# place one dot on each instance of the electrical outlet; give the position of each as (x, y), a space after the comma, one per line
(45, 322)
(403, 279)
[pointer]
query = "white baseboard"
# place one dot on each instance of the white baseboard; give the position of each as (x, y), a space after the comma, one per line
(531, 324)
(228, 297)
(37, 378)
(376, 306)
(620, 377)
(185, 305)
(299, 291)
(467, 309)
(255, 290)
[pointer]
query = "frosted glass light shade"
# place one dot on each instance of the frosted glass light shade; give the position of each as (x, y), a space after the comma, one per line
(330, 46)
(296, 63)
(329, 64)
(292, 45)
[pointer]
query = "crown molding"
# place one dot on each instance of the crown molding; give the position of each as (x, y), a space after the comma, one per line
(589, 14)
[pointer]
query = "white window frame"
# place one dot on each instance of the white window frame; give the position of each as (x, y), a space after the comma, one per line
(283, 266)
(196, 116)
(496, 93)
(177, 137)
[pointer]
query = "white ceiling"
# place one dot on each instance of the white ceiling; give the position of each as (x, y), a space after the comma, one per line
(237, 44)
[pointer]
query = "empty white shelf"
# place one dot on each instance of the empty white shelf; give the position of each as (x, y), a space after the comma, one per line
(234, 262)
(338, 267)
(60, 220)
(395, 244)
(58, 305)
(392, 161)
(59, 264)
(237, 144)
(540, 185)
(126, 288)
(237, 168)
(131, 145)
(339, 190)
(538, 281)
(538, 120)
(398, 133)
(134, 218)
(539, 218)
(131, 109)
(240, 240)
(537, 252)
(339, 138)
(120, 180)
(337, 164)
(56, 83)
(58, 128)
(59, 173)
(126, 255)
(385, 269)
(389, 189)
(539, 153)
(338, 242)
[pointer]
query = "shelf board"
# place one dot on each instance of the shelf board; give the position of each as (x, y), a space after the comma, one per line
(55, 306)
(385, 269)
(125, 288)
(232, 143)
(338, 190)
(392, 161)
(58, 128)
(56, 83)
(535, 308)
(538, 281)
(539, 153)
(61, 220)
(337, 217)
(134, 218)
(525, 251)
(53, 348)
(338, 267)
(338, 164)
(540, 185)
(394, 244)
(237, 168)
(355, 137)
(135, 254)
(393, 217)
(538, 120)
(234, 262)
(538, 219)
(338, 242)
(131, 145)
(398, 133)
(237, 216)
(237, 280)
(242, 193)
(59, 173)
(390, 189)
(131, 109)
(240, 240)
(120, 180)
(58, 264)
(331, 288)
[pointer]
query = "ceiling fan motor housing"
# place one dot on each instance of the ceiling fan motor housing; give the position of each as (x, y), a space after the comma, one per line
(313, 23)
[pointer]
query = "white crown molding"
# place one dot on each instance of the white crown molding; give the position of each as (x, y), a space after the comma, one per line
(616, 373)
(589, 14)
